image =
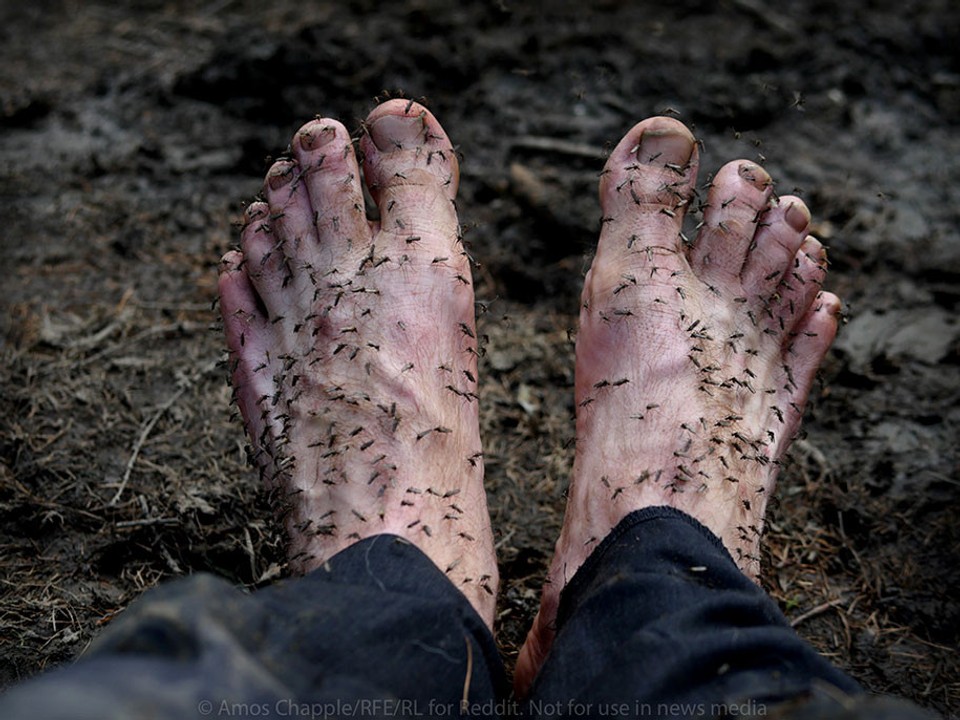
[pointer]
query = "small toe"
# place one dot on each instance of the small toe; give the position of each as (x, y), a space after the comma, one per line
(291, 220)
(244, 323)
(816, 330)
(240, 304)
(265, 263)
(812, 337)
(237, 296)
(801, 284)
(738, 197)
(329, 172)
(782, 230)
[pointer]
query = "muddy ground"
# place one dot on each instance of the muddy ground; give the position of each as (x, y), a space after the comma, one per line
(131, 136)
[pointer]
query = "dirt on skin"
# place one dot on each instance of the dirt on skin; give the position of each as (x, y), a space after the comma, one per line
(131, 134)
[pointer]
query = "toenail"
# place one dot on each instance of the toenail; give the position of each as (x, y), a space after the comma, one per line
(756, 176)
(316, 136)
(253, 212)
(394, 132)
(813, 249)
(798, 217)
(280, 175)
(670, 147)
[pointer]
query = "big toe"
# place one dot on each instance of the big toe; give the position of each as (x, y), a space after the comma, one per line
(645, 190)
(404, 144)
(413, 174)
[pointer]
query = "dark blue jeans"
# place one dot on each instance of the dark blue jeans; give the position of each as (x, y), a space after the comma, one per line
(659, 622)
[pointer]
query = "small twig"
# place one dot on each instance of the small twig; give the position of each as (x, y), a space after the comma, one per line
(43, 502)
(172, 307)
(562, 147)
(248, 546)
(505, 539)
(140, 440)
(818, 610)
(182, 326)
(761, 11)
(145, 521)
(814, 454)
(171, 563)
(138, 445)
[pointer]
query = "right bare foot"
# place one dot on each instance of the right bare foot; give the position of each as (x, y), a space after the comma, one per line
(354, 347)
(694, 361)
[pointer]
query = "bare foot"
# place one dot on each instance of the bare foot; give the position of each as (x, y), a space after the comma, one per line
(694, 361)
(354, 349)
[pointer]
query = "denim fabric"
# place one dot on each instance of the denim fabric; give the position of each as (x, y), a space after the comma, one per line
(378, 632)
(659, 622)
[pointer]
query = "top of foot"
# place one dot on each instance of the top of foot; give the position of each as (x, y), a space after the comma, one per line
(353, 346)
(695, 356)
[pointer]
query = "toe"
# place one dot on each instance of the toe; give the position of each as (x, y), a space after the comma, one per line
(815, 332)
(811, 339)
(292, 226)
(331, 177)
(238, 299)
(291, 213)
(411, 170)
(244, 321)
(781, 232)
(264, 261)
(738, 197)
(403, 135)
(645, 189)
(800, 286)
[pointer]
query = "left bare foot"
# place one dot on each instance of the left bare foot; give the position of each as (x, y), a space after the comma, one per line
(354, 350)
(694, 361)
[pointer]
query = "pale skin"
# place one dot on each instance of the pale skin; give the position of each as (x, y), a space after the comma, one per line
(354, 352)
